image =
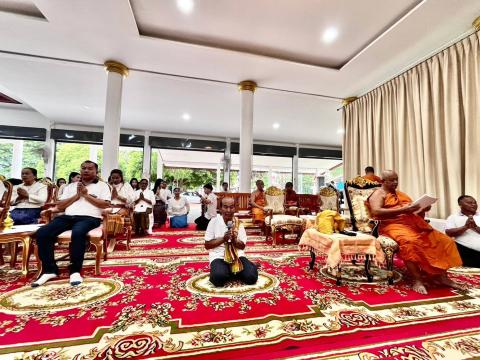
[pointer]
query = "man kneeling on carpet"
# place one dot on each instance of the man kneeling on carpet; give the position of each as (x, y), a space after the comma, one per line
(225, 240)
(82, 202)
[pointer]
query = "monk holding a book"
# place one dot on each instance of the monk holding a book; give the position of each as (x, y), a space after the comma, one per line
(425, 251)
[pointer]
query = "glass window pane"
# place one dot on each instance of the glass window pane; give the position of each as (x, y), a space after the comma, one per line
(313, 173)
(17, 154)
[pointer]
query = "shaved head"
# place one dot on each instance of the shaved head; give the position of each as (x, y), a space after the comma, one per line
(228, 201)
(388, 174)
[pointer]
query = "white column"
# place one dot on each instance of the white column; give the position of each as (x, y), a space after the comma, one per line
(247, 89)
(219, 170)
(227, 161)
(17, 159)
(159, 165)
(147, 156)
(113, 105)
(93, 153)
(49, 154)
(295, 171)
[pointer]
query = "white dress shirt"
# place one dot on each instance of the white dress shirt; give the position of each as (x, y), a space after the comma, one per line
(82, 207)
(212, 207)
(470, 238)
(37, 195)
(124, 190)
(217, 229)
(142, 206)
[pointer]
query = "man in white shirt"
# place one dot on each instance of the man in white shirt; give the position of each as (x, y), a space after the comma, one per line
(218, 234)
(465, 228)
(82, 202)
(209, 207)
(142, 213)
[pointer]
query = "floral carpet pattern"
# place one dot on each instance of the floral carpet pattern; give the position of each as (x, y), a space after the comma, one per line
(155, 301)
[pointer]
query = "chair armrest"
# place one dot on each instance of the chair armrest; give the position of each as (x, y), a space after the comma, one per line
(46, 215)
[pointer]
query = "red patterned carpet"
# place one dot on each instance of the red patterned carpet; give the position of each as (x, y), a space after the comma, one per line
(155, 301)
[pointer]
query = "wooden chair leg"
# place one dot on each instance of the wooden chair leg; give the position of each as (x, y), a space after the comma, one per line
(13, 254)
(39, 263)
(312, 262)
(2, 261)
(98, 257)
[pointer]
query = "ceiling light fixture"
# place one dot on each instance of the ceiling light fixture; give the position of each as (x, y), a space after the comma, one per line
(329, 35)
(276, 126)
(185, 6)
(186, 117)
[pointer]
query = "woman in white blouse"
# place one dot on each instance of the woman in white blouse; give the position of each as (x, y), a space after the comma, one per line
(178, 209)
(144, 201)
(123, 195)
(28, 198)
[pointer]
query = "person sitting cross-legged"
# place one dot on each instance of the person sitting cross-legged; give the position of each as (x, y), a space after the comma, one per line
(226, 247)
(83, 203)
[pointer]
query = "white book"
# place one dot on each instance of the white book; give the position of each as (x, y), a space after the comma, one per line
(425, 201)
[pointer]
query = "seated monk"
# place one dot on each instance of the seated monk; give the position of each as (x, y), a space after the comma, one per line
(291, 199)
(370, 175)
(423, 249)
(258, 202)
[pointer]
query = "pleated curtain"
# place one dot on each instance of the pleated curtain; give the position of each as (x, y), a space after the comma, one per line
(425, 125)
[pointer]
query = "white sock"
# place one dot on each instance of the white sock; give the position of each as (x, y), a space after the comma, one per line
(43, 279)
(75, 279)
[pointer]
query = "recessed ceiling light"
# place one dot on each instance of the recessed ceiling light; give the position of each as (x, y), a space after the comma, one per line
(340, 131)
(186, 116)
(330, 35)
(86, 107)
(185, 6)
(276, 126)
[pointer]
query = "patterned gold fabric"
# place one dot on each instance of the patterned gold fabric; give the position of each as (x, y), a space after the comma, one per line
(283, 219)
(360, 210)
(275, 203)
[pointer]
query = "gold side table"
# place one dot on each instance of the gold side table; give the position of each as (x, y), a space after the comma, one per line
(20, 234)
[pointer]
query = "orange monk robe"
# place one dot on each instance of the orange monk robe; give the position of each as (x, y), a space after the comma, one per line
(433, 251)
(259, 214)
(373, 178)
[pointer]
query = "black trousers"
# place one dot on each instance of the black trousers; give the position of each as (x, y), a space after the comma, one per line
(220, 272)
(202, 222)
(47, 237)
(470, 257)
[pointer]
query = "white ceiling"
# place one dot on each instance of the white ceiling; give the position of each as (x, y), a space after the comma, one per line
(156, 94)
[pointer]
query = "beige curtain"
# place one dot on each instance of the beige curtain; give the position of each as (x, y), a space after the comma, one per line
(425, 125)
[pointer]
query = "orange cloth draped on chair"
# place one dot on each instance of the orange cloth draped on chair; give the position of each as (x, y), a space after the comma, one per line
(433, 251)
(373, 178)
(259, 214)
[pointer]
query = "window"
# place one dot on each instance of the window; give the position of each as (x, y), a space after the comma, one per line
(69, 156)
(17, 154)
(314, 173)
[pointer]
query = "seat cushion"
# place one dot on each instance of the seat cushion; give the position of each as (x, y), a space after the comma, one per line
(283, 219)
(387, 242)
(94, 233)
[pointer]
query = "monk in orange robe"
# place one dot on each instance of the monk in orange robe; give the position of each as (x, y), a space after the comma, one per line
(370, 175)
(424, 250)
(258, 202)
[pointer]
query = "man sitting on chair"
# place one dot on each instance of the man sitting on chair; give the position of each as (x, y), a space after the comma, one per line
(82, 202)
(370, 175)
(465, 228)
(423, 249)
(225, 242)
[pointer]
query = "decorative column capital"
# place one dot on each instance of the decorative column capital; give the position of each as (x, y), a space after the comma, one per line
(117, 67)
(476, 23)
(247, 85)
(349, 100)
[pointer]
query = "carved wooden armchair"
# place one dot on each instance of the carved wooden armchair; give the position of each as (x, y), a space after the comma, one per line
(330, 198)
(276, 218)
(357, 192)
(5, 199)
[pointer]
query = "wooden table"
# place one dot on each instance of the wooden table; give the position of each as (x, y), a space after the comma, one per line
(20, 234)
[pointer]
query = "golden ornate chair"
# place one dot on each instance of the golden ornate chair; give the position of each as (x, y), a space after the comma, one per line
(276, 218)
(117, 224)
(330, 198)
(357, 192)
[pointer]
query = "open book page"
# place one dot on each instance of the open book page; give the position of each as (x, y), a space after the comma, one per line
(425, 200)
